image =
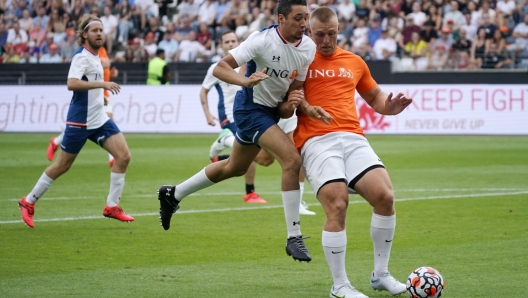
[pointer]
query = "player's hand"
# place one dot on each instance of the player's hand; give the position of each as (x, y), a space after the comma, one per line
(211, 119)
(112, 87)
(396, 105)
(105, 101)
(256, 78)
(318, 113)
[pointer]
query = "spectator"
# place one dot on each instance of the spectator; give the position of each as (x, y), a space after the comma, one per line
(11, 56)
(505, 10)
(495, 59)
(455, 16)
(346, 10)
(146, 7)
(126, 22)
(16, 35)
(3, 35)
(154, 29)
(488, 26)
(434, 15)
(478, 47)
(418, 50)
(498, 40)
(461, 51)
(485, 9)
(235, 14)
(359, 39)
(407, 31)
(469, 27)
(53, 55)
(378, 9)
(220, 7)
(406, 8)
(393, 16)
(55, 17)
(385, 47)
(59, 36)
(77, 10)
(34, 50)
(110, 23)
(140, 54)
(258, 22)
(344, 34)
(37, 34)
(445, 39)
(26, 21)
(417, 15)
(474, 14)
(207, 13)
(204, 36)
(69, 47)
(374, 31)
(41, 17)
(183, 29)
(190, 50)
(363, 11)
(189, 9)
(44, 46)
(520, 33)
(429, 34)
(439, 57)
(169, 45)
(53, 5)
(69, 24)
(150, 45)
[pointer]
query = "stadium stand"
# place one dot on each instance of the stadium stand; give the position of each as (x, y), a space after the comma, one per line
(378, 30)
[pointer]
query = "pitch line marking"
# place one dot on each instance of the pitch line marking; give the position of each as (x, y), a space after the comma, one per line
(270, 207)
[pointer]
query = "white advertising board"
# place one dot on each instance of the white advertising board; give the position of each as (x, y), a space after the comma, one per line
(436, 109)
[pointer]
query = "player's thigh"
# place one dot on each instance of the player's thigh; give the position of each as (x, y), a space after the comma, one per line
(241, 157)
(376, 187)
(323, 162)
(278, 145)
(111, 139)
(264, 158)
(333, 196)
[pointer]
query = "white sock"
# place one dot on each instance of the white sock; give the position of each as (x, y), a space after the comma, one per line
(117, 183)
(58, 139)
(334, 246)
(382, 233)
(291, 201)
(110, 157)
(191, 185)
(301, 189)
(39, 189)
(229, 141)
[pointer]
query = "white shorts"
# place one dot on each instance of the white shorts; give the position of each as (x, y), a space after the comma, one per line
(338, 156)
(108, 107)
(288, 125)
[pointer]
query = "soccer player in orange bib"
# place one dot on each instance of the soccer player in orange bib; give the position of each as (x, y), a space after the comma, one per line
(337, 157)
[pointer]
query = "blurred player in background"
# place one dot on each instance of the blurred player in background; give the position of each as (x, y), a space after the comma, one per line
(108, 73)
(86, 120)
(337, 156)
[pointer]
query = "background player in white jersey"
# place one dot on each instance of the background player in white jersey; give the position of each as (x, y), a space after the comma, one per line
(86, 120)
(226, 100)
(278, 58)
(107, 74)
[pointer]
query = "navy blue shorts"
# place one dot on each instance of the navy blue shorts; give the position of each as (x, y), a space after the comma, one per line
(75, 136)
(251, 119)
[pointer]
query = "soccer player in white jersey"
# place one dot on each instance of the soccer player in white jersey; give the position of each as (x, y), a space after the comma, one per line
(226, 100)
(278, 58)
(86, 120)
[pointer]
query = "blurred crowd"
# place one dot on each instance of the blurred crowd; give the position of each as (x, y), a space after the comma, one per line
(418, 35)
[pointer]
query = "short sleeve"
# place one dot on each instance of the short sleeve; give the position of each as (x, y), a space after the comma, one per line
(248, 49)
(78, 67)
(304, 70)
(366, 82)
(210, 80)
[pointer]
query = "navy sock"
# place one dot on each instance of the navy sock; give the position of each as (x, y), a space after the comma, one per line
(250, 188)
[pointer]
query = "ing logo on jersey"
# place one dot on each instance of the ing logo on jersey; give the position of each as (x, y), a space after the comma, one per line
(283, 74)
(330, 73)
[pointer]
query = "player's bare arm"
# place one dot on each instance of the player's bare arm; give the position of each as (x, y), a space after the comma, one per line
(211, 119)
(384, 103)
(225, 71)
(80, 85)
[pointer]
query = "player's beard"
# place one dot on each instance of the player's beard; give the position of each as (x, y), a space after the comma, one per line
(94, 43)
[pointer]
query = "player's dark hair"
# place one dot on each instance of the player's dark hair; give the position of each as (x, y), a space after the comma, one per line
(284, 7)
(225, 33)
(85, 19)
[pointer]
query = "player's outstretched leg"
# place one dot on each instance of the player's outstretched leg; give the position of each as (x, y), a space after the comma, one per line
(168, 205)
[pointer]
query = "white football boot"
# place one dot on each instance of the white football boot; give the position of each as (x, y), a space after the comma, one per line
(303, 209)
(386, 282)
(346, 291)
(219, 144)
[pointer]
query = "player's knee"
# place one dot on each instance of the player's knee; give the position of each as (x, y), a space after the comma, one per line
(386, 200)
(292, 163)
(237, 172)
(126, 158)
(264, 161)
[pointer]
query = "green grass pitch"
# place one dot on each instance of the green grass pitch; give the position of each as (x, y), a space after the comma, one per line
(462, 208)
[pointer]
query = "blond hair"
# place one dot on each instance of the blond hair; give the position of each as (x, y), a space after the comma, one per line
(85, 19)
(323, 14)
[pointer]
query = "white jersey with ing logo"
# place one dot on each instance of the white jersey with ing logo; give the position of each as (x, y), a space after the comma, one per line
(283, 60)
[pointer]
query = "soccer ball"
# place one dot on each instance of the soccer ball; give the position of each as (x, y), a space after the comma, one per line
(425, 282)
